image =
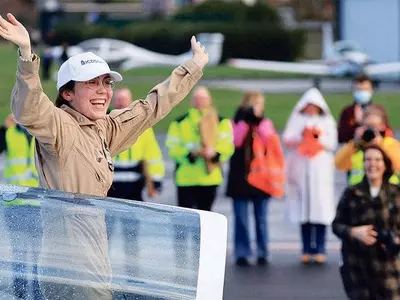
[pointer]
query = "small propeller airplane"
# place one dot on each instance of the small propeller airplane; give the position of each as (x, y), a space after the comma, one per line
(124, 55)
(341, 59)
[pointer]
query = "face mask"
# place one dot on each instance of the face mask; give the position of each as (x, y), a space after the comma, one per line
(362, 97)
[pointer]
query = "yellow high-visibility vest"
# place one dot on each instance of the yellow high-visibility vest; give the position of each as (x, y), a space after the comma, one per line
(183, 137)
(128, 165)
(20, 161)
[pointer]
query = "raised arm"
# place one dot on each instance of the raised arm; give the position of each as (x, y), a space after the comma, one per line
(124, 126)
(30, 105)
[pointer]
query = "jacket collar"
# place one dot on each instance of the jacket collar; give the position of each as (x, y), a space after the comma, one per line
(363, 189)
(81, 119)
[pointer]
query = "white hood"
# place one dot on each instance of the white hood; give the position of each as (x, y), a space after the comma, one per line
(312, 96)
(298, 121)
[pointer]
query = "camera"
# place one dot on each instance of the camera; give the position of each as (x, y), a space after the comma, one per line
(369, 135)
(387, 238)
(250, 117)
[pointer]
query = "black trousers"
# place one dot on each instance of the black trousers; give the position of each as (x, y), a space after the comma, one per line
(127, 190)
(197, 197)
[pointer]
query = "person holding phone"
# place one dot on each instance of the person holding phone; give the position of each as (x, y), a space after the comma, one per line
(249, 117)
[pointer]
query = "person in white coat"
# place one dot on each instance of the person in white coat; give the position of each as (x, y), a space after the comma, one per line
(310, 136)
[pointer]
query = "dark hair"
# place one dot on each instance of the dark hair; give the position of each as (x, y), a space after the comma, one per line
(362, 78)
(386, 160)
(69, 86)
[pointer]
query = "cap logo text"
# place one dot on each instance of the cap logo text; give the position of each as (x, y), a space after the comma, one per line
(91, 61)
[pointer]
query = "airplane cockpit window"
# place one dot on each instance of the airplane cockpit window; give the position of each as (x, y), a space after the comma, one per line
(60, 245)
(346, 46)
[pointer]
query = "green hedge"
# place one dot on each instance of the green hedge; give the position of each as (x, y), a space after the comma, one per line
(242, 40)
(218, 10)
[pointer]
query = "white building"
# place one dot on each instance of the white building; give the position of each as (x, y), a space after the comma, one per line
(374, 24)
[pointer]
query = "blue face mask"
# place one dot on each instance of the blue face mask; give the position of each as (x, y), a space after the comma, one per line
(362, 97)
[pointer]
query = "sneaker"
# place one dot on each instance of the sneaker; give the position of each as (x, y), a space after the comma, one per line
(305, 259)
(242, 262)
(262, 261)
(320, 258)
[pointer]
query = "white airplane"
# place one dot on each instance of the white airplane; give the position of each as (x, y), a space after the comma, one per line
(340, 59)
(175, 253)
(123, 55)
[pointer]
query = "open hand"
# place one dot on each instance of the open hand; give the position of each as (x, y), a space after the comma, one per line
(358, 133)
(208, 152)
(365, 234)
(15, 32)
(377, 140)
(200, 56)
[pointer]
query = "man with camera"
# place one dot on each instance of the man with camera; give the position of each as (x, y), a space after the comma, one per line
(373, 131)
(352, 115)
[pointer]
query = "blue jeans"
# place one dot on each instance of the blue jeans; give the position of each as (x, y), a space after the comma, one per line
(242, 237)
(313, 237)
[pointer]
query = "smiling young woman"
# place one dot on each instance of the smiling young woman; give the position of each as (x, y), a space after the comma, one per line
(76, 139)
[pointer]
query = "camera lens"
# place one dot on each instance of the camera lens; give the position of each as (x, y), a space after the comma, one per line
(369, 135)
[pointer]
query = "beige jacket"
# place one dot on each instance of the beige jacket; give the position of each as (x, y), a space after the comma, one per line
(73, 153)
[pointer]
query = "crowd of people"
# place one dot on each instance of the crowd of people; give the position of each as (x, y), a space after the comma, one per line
(77, 145)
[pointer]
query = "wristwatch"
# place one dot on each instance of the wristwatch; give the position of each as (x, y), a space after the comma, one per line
(30, 59)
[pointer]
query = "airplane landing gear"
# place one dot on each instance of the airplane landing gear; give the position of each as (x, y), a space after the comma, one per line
(317, 82)
(376, 84)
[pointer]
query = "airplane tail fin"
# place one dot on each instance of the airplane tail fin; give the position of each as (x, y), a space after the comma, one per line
(213, 42)
(327, 40)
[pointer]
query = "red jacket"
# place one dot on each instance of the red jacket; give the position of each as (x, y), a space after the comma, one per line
(347, 123)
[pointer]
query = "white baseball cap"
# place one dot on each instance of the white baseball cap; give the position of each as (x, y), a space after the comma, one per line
(83, 67)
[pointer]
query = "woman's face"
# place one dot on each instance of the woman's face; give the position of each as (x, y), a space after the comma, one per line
(311, 110)
(258, 107)
(374, 164)
(91, 98)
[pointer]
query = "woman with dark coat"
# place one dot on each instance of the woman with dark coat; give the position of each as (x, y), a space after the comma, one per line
(249, 115)
(368, 223)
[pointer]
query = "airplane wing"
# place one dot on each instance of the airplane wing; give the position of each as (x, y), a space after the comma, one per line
(383, 68)
(284, 67)
(155, 252)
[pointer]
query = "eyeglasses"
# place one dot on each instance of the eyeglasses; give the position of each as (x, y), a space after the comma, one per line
(107, 83)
